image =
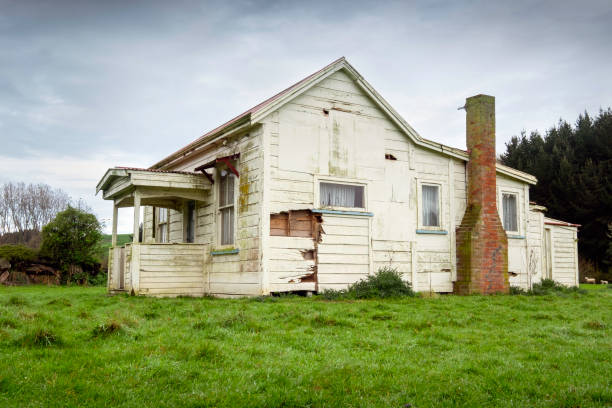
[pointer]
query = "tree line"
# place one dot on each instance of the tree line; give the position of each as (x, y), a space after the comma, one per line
(573, 164)
(41, 227)
(26, 208)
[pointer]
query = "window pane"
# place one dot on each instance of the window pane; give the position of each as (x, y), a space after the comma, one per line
(510, 212)
(431, 206)
(226, 190)
(227, 226)
(222, 190)
(341, 195)
(163, 215)
(163, 233)
(191, 221)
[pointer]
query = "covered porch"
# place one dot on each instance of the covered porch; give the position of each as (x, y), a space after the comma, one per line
(153, 267)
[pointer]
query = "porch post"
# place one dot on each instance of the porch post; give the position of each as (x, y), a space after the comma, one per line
(115, 216)
(136, 216)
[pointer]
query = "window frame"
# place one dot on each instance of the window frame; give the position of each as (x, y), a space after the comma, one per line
(219, 215)
(517, 195)
(441, 219)
(341, 181)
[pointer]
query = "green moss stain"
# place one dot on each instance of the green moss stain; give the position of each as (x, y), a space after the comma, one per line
(244, 189)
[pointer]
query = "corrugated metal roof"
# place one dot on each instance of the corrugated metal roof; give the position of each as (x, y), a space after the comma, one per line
(189, 173)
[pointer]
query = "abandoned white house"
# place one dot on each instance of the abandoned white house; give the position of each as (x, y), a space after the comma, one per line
(323, 184)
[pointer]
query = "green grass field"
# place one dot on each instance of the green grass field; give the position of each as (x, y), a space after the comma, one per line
(74, 346)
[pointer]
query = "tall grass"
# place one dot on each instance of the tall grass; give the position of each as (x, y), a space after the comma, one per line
(75, 346)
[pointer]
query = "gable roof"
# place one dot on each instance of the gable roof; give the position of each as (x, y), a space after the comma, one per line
(259, 111)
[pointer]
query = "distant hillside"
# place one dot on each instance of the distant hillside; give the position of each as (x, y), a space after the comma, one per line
(122, 239)
(105, 244)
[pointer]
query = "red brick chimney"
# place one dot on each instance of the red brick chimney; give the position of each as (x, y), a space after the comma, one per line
(482, 245)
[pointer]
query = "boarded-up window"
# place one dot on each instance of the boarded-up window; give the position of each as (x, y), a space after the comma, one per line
(226, 208)
(299, 223)
(431, 205)
(341, 195)
(510, 212)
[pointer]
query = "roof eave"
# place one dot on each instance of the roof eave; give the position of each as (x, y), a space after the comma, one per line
(108, 177)
(229, 128)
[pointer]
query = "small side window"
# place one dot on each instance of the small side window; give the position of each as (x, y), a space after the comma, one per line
(226, 208)
(509, 208)
(431, 205)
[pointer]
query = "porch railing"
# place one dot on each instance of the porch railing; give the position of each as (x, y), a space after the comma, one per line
(158, 269)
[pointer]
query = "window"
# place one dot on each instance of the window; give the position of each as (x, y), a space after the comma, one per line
(431, 205)
(162, 225)
(341, 195)
(226, 207)
(190, 222)
(509, 209)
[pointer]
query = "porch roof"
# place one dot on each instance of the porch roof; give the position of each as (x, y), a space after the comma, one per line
(160, 188)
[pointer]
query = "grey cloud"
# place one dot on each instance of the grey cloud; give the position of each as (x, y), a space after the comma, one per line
(89, 79)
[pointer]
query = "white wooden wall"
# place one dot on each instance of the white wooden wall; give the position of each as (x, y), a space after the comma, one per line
(229, 274)
(344, 252)
(535, 241)
(335, 132)
(564, 254)
(172, 270)
(517, 242)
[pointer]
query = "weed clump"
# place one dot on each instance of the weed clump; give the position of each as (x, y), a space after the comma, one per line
(550, 287)
(106, 329)
(8, 323)
(386, 283)
(16, 301)
(60, 302)
(547, 287)
(40, 338)
(209, 352)
(594, 325)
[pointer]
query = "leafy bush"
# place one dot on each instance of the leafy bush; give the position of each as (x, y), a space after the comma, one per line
(17, 255)
(386, 283)
(72, 238)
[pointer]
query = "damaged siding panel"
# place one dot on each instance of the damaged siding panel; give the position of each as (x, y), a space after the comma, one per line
(293, 251)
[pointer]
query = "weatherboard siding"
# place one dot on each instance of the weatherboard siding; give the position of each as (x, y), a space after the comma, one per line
(234, 273)
(564, 254)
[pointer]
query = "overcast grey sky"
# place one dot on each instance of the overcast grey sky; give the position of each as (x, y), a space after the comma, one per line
(89, 85)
